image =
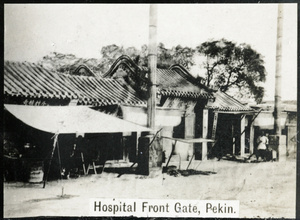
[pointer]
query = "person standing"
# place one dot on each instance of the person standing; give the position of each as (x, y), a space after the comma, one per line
(262, 141)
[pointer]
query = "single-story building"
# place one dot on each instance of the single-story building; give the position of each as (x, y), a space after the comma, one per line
(28, 85)
(186, 109)
(178, 89)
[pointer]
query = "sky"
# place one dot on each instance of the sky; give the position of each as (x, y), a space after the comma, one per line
(32, 31)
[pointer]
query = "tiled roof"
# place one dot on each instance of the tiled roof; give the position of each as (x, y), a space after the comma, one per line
(224, 102)
(33, 81)
(175, 81)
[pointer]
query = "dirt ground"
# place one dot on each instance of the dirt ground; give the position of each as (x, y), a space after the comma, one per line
(266, 189)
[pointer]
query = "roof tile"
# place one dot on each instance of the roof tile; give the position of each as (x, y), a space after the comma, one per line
(224, 102)
(31, 80)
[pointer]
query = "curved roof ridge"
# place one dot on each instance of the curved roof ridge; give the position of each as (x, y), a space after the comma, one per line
(84, 66)
(187, 75)
(125, 59)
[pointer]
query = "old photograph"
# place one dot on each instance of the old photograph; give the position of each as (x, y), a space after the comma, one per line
(150, 110)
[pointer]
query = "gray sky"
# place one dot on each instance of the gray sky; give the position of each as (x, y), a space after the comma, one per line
(34, 30)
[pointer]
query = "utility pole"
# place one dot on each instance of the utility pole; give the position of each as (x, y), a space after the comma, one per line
(145, 146)
(277, 107)
(152, 63)
(278, 141)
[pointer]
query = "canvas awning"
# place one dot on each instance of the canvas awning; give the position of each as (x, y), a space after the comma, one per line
(71, 119)
(265, 120)
(164, 117)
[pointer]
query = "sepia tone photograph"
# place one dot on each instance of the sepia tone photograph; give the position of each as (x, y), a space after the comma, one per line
(150, 110)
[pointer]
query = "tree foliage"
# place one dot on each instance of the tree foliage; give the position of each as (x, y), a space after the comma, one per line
(231, 66)
(227, 66)
(108, 54)
(67, 63)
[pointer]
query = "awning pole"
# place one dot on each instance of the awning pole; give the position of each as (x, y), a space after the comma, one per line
(60, 169)
(53, 149)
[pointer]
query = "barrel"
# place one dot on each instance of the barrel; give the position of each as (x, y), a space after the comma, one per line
(36, 172)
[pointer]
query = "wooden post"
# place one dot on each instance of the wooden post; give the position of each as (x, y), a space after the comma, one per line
(215, 123)
(233, 139)
(138, 135)
(53, 149)
(251, 138)
(204, 133)
(242, 148)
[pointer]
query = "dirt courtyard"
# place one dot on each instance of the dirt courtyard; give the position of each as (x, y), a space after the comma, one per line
(266, 189)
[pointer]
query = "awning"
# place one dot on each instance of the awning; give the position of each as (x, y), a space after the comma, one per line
(265, 120)
(71, 119)
(164, 117)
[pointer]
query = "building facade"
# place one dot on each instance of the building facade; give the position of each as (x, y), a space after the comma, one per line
(186, 109)
(205, 112)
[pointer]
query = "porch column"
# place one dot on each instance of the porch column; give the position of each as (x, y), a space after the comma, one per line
(138, 135)
(242, 153)
(251, 138)
(233, 139)
(204, 133)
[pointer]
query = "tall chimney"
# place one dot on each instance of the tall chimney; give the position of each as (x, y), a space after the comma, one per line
(152, 63)
(277, 108)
